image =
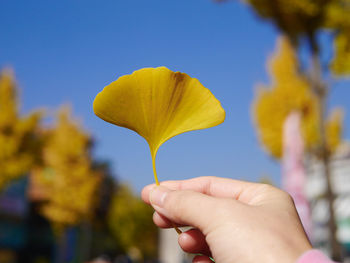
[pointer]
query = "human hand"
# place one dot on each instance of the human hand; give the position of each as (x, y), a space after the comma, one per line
(234, 221)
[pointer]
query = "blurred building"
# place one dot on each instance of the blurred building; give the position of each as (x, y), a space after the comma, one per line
(316, 189)
(169, 249)
(24, 235)
(81, 241)
(13, 211)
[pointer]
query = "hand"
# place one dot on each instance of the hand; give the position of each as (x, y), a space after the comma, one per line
(234, 221)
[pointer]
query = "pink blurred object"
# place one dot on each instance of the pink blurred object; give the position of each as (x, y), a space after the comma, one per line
(293, 172)
(314, 256)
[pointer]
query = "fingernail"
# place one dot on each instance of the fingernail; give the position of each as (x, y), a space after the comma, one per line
(158, 195)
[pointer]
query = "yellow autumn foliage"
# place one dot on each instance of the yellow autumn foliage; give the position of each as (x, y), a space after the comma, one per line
(300, 18)
(18, 135)
(334, 129)
(290, 16)
(336, 14)
(289, 91)
(68, 180)
(341, 60)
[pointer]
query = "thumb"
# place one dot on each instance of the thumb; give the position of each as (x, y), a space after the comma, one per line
(185, 207)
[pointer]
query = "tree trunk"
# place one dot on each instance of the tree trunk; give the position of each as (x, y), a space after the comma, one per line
(84, 241)
(332, 224)
(60, 247)
(320, 90)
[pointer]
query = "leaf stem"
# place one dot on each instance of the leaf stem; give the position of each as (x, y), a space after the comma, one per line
(157, 183)
(154, 168)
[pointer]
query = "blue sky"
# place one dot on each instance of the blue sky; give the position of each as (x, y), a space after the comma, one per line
(67, 51)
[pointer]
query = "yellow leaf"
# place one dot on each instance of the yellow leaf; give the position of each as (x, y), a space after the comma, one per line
(158, 104)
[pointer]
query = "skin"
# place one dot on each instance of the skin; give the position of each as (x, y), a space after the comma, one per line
(233, 221)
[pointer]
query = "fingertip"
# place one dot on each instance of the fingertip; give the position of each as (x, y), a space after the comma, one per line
(161, 221)
(146, 191)
(193, 241)
(157, 196)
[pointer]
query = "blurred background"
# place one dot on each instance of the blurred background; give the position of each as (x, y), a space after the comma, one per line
(70, 183)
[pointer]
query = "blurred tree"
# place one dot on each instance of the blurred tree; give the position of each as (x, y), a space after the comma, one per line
(67, 183)
(103, 241)
(67, 178)
(106, 189)
(131, 222)
(290, 91)
(19, 136)
(302, 22)
(304, 18)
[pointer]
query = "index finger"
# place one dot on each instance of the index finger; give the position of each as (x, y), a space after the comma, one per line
(210, 185)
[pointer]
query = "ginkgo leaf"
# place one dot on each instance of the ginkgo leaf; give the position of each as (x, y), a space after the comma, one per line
(158, 104)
